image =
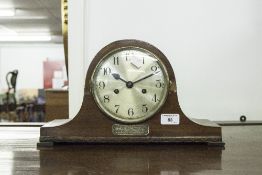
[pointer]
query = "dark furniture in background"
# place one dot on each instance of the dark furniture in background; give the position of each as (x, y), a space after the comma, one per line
(56, 104)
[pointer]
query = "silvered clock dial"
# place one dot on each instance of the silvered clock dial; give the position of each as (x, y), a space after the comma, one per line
(130, 84)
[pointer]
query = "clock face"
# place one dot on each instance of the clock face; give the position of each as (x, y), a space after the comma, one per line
(130, 84)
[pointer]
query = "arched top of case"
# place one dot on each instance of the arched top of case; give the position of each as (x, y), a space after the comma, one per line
(129, 43)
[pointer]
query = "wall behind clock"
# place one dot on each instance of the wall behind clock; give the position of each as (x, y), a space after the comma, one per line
(27, 58)
(215, 48)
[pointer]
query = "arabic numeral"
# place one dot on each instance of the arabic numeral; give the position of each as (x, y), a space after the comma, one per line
(101, 85)
(130, 112)
(117, 108)
(127, 55)
(116, 60)
(106, 99)
(170, 120)
(155, 99)
(107, 71)
(159, 84)
(144, 108)
(154, 68)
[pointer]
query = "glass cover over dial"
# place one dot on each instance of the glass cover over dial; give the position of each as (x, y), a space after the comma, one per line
(130, 84)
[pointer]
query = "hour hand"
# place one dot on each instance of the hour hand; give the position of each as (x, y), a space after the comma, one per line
(117, 77)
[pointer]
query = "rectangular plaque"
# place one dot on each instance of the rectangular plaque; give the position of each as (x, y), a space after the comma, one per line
(170, 119)
(118, 129)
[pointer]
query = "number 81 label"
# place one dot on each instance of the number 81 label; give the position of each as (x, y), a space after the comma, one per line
(169, 119)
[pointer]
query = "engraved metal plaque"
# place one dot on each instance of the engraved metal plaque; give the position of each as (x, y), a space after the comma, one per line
(118, 129)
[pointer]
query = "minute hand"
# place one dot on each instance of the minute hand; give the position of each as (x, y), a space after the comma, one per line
(150, 75)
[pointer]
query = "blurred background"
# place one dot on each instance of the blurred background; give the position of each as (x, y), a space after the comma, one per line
(213, 46)
(31, 58)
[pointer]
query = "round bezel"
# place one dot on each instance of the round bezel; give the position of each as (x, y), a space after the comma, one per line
(113, 115)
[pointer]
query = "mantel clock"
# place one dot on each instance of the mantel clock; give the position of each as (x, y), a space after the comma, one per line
(130, 96)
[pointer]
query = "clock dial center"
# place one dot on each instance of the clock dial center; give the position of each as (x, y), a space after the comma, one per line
(129, 84)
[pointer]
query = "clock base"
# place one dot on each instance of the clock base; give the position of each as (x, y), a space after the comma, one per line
(53, 133)
(210, 141)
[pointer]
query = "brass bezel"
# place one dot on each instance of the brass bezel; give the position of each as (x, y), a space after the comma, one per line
(126, 120)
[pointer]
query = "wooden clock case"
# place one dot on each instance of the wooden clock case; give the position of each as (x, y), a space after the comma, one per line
(91, 125)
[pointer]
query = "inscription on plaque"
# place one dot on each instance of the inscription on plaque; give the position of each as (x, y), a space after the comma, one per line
(118, 129)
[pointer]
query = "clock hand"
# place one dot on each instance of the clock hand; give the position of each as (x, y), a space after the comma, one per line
(129, 84)
(145, 77)
(117, 77)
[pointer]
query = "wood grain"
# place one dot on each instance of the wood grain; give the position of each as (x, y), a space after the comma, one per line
(56, 105)
(92, 125)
